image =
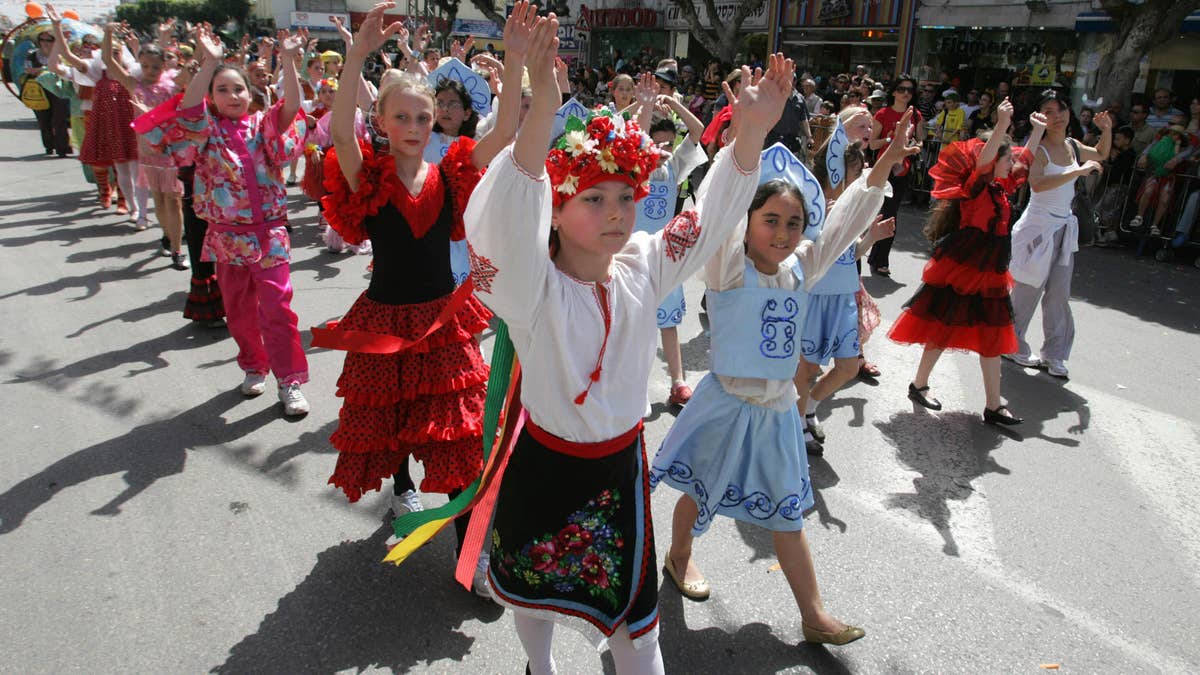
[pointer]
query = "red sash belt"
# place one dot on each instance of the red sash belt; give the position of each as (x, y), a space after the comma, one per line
(367, 342)
(583, 450)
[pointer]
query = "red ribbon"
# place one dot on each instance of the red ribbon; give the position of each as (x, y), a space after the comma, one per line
(367, 342)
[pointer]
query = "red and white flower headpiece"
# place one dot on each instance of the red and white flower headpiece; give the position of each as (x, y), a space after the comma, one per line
(604, 147)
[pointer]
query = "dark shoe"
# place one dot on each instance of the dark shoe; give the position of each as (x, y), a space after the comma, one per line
(816, 430)
(918, 396)
(868, 370)
(814, 448)
(996, 417)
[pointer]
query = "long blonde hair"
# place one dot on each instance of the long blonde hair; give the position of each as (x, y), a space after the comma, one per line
(398, 80)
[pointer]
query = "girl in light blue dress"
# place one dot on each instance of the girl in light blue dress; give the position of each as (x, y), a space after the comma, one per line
(736, 449)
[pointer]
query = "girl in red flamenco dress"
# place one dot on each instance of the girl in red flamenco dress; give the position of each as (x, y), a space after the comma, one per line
(963, 302)
(414, 381)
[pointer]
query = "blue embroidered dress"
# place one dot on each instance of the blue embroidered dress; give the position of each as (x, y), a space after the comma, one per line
(737, 448)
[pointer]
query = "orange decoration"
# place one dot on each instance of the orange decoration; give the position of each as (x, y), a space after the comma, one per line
(71, 14)
(33, 10)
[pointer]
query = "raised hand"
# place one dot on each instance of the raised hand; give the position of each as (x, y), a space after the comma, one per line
(1004, 114)
(898, 148)
(486, 60)
(372, 33)
(422, 37)
(645, 92)
(347, 36)
(760, 104)
(1037, 120)
(53, 15)
(1103, 121)
(562, 75)
(882, 229)
(209, 45)
(543, 48)
(459, 50)
(518, 31)
(291, 45)
(1089, 167)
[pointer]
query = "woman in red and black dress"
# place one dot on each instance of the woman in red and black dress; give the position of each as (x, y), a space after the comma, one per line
(963, 302)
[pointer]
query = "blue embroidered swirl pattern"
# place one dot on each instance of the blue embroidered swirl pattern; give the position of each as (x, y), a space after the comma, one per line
(779, 329)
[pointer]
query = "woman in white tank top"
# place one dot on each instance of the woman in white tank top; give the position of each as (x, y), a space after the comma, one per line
(1046, 236)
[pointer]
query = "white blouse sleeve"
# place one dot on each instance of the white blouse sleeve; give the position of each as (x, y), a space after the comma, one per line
(508, 224)
(851, 215)
(693, 237)
(688, 156)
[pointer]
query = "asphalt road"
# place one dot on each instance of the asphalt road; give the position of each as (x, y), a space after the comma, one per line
(154, 521)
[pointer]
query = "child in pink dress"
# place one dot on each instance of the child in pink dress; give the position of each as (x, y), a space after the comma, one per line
(240, 192)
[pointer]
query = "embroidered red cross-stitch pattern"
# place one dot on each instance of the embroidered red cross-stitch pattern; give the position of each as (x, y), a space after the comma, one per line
(681, 234)
(482, 271)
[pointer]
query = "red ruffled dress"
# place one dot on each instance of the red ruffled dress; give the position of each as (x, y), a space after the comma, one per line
(427, 399)
(963, 302)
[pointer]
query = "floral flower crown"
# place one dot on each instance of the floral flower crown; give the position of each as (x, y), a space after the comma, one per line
(606, 146)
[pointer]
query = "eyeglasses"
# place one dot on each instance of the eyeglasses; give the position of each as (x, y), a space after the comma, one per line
(450, 105)
(1137, 111)
(46, 38)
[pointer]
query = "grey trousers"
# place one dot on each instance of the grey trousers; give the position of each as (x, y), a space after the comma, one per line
(1058, 325)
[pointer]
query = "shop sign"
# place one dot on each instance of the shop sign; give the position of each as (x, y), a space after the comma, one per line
(832, 10)
(316, 20)
(484, 28)
(1042, 75)
(634, 17)
(676, 20)
(571, 39)
(968, 46)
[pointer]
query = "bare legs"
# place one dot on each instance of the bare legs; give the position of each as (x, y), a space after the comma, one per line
(169, 209)
(672, 354)
(990, 365)
(794, 558)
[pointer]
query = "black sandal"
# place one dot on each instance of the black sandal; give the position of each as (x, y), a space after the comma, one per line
(918, 396)
(996, 417)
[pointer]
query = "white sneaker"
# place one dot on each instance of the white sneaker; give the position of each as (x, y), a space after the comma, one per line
(1154, 231)
(406, 502)
(294, 403)
(254, 384)
(1026, 361)
(479, 582)
(1056, 368)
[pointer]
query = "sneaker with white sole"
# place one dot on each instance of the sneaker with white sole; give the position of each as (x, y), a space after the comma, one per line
(1057, 368)
(406, 502)
(1023, 360)
(294, 403)
(255, 384)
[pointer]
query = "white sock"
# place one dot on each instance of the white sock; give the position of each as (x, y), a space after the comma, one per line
(142, 198)
(812, 406)
(644, 661)
(537, 637)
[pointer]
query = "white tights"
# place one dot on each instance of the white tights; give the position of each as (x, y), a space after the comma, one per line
(537, 637)
(126, 173)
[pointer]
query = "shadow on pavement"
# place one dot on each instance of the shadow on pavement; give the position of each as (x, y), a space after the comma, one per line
(170, 304)
(62, 204)
(935, 447)
(1052, 398)
(149, 352)
(91, 283)
(151, 451)
(353, 612)
(753, 648)
(1156, 292)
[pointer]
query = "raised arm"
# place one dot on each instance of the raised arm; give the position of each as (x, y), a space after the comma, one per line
(1004, 115)
(518, 30)
(645, 95)
(529, 151)
(758, 107)
(60, 38)
(694, 126)
(1104, 147)
(292, 97)
(112, 62)
(371, 35)
(210, 50)
(166, 34)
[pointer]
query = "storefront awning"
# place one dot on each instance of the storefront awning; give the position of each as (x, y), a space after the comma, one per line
(1100, 22)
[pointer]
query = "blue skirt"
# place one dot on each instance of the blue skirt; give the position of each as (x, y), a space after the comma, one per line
(737, 459)
(672, 309)
(830, 329)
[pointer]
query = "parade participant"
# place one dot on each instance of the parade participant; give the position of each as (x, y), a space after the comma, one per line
(53, 119)
(735, 448)
(312, 186)
(963, 300)
(572, 539)
(422, 394)
(108, 140)
(831, 323)
(658, 208)
(157, 173)
(882, 129)
(622, 92)
(1045, 238)
(239, 190)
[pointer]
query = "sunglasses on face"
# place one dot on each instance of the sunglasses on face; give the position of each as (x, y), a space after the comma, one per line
(45, 39)
(904, 90)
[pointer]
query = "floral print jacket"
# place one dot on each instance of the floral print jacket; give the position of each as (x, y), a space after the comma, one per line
(224, 195)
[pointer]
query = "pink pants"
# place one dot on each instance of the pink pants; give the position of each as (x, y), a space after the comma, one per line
(260, 318)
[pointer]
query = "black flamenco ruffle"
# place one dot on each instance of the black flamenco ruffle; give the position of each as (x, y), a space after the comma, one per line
(976, 249)
(944, 305)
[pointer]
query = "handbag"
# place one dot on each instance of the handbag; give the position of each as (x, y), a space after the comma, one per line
(1081, 203)
(33, 96)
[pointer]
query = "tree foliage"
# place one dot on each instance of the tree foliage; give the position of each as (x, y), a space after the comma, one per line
(721, 39)
(144, 15)
(1141, 26)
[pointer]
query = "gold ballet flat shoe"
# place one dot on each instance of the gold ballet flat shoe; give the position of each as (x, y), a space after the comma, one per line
(845, 636)
(694, 590)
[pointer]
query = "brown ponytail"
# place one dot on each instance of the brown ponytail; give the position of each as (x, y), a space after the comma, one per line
(943, 221)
